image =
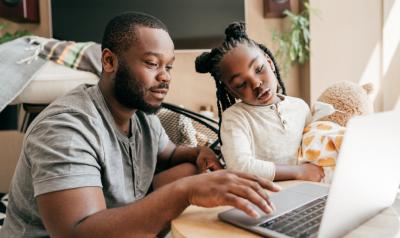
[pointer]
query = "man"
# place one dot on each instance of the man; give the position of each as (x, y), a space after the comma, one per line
(88, 160)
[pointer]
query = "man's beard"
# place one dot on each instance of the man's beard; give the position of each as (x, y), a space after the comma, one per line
(129, 91)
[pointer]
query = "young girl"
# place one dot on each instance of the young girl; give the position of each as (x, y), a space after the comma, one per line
(261, 132)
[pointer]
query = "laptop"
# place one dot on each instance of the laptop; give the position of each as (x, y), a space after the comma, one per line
(366, 180)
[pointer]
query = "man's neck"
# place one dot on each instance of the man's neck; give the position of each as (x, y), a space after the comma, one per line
(121, 114)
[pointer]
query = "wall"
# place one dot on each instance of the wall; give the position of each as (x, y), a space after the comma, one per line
(186, 25)
(346, 44)
(391, 55)
(260, 29)
(189, 88)
(42, 29)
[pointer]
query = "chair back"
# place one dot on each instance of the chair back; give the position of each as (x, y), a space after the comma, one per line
(185, 127)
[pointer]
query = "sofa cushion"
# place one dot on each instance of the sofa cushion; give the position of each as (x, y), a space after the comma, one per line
(52, 81)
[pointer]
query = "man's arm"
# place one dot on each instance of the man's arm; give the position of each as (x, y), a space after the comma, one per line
(82, 212)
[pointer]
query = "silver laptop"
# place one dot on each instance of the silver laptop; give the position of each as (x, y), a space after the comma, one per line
(365, 182)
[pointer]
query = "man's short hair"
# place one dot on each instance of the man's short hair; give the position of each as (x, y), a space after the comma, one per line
(120, 31)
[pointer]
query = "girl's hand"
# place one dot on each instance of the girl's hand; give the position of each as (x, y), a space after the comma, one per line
(207, 160)
(310, 172)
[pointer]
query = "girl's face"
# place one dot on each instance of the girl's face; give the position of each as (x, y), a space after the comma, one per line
(247, 72)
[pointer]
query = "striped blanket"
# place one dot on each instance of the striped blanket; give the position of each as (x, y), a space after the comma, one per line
(84, 56)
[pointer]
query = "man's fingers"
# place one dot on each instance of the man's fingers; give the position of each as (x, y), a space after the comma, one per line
(249, 194)
(257, 184)
(258, 189)
(241, 204)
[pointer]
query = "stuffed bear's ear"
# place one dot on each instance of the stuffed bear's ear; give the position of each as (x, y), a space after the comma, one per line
(368, 87)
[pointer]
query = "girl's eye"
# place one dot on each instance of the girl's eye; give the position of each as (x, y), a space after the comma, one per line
(260, 69)
(240, 86)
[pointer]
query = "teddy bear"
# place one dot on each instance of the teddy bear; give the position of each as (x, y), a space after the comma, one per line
(322, 138)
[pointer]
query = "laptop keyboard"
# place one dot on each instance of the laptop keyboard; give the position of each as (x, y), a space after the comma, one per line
(301, 222)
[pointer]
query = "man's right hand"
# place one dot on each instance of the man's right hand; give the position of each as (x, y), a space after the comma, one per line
(235, 189)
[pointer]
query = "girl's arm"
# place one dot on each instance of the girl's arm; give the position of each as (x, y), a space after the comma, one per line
(307, 171)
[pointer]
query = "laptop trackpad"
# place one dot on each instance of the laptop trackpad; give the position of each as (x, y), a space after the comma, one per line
(287, 199)
(296, 196)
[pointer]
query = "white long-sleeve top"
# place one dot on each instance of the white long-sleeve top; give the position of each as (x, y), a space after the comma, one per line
(255, 138)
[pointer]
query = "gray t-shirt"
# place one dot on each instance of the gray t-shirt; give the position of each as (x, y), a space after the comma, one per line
(75, 143)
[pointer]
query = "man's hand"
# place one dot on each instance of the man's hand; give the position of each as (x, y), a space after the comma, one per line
(310, 172)
(230, 188)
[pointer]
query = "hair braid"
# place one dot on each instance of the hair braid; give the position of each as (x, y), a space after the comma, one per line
(220, 110)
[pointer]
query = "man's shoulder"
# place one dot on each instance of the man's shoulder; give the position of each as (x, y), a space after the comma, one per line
(78, 99)
(77, 106)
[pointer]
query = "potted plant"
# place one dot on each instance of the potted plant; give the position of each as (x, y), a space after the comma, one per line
(8, 36)
(294, 44)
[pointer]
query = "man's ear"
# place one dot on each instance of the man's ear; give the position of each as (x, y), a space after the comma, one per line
(109, 61)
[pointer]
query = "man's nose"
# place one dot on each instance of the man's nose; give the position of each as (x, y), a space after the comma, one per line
(163, 76)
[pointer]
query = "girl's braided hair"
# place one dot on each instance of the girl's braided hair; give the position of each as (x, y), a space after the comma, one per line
(208, 62)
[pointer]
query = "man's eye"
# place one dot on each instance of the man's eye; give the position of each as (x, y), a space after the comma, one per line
(259, 69)
(240, 86)
(168, 68)
(151, 64)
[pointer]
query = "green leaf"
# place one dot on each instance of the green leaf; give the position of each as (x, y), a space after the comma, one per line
(2, 26)
(293, 45)
(7, 36)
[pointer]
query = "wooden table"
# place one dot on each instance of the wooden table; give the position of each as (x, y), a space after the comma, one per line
(198, 222)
